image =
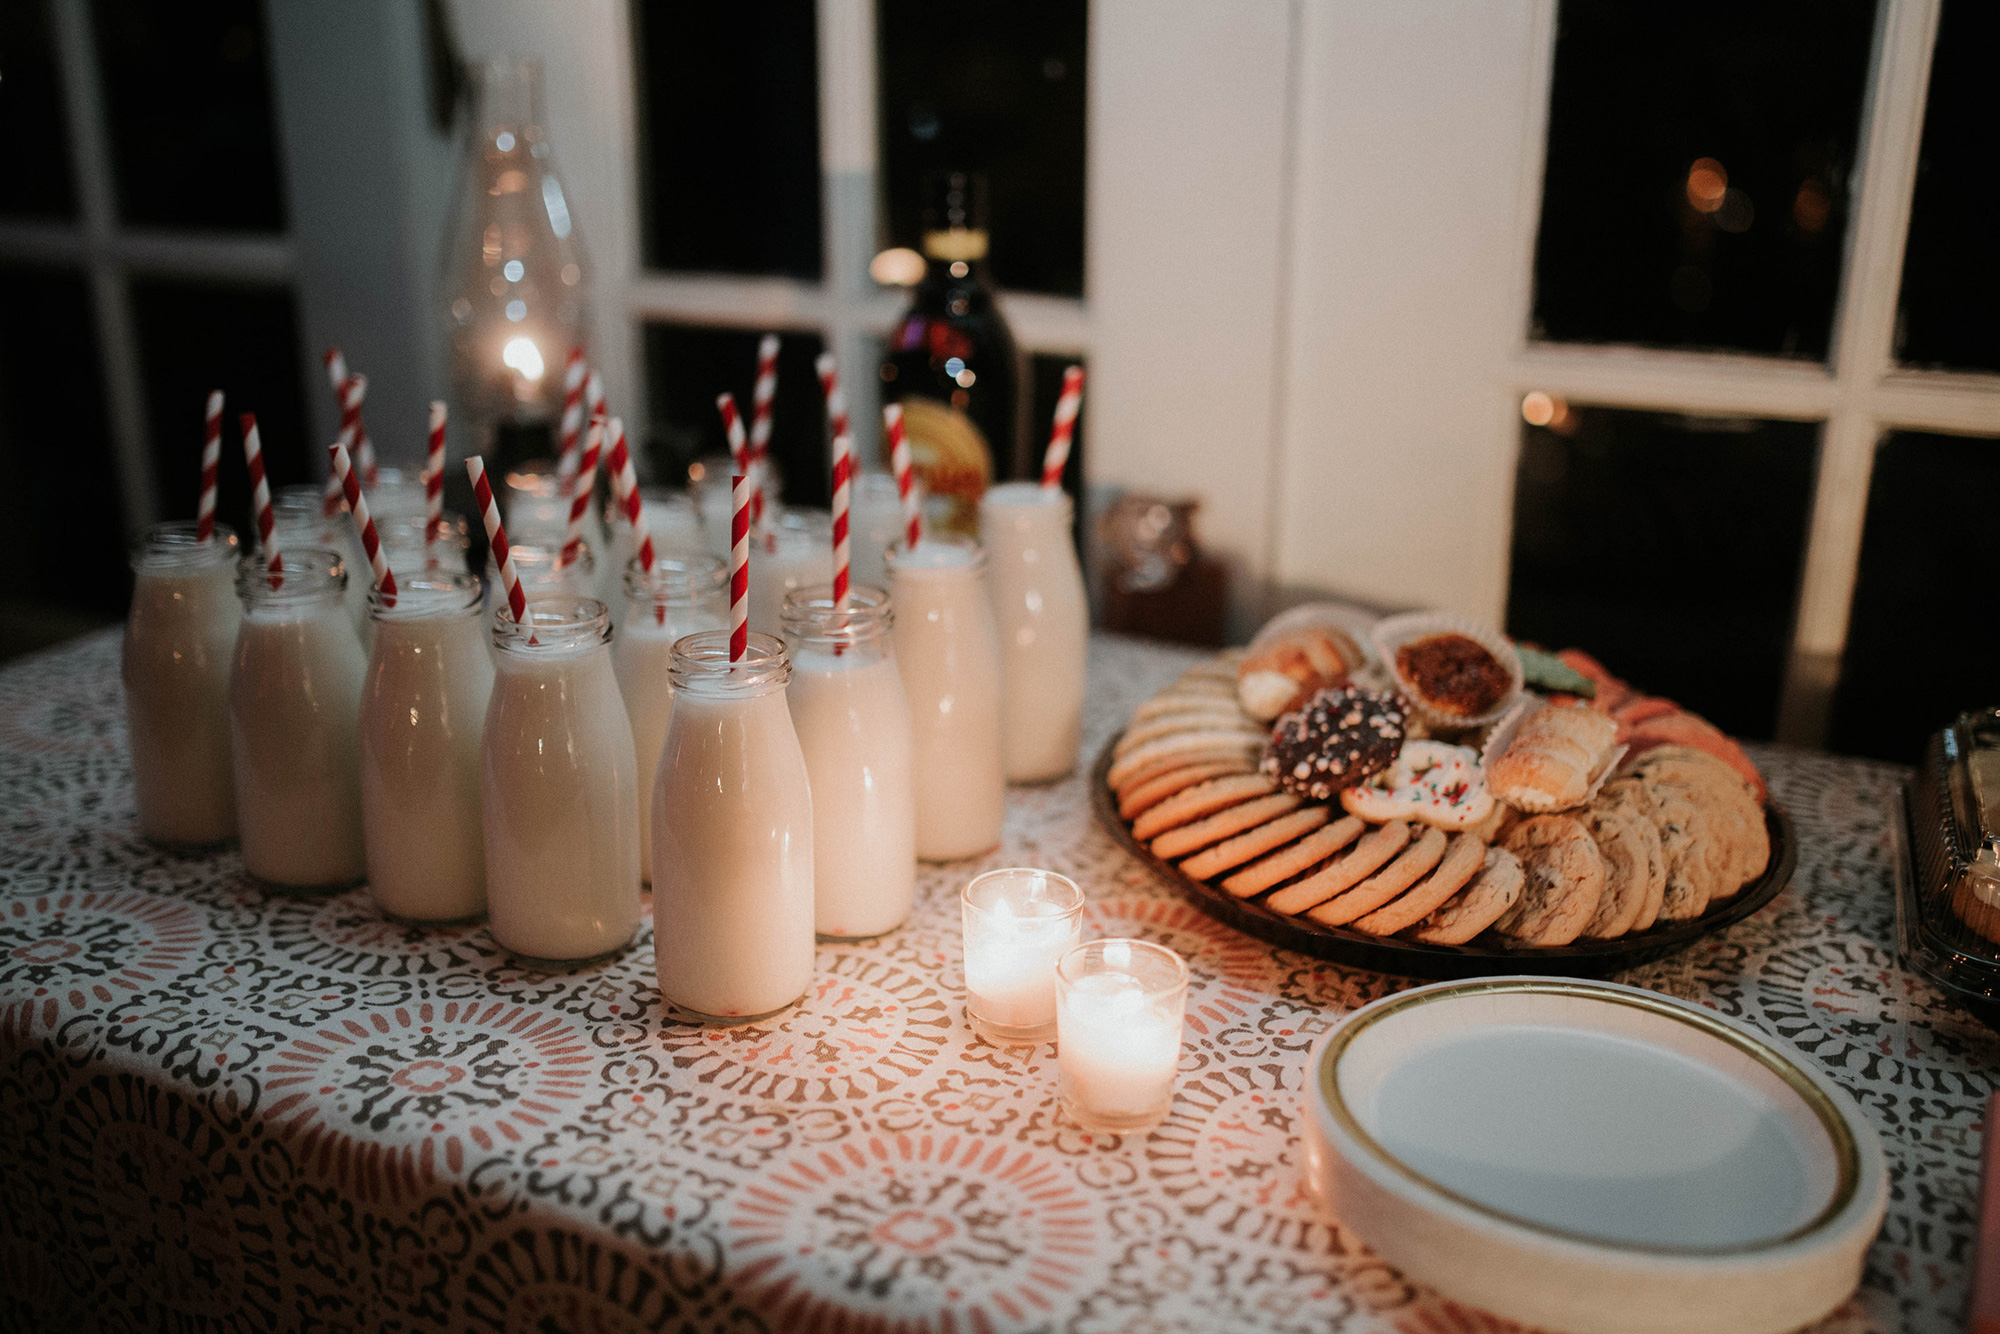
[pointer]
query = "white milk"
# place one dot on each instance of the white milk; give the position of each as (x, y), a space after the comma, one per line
(794, 551)
(423, 706)
(732, 837)
(949, 654)
(559, 788)
(294, 699)
(853, 722)
(1044, 621)
(299, 519)
(874, 524)
(178, 641)
(673, 599)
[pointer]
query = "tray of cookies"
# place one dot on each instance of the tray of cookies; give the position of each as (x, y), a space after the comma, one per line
(1474, 808)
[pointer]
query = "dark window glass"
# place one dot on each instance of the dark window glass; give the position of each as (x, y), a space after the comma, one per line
(1923, 636)
(187, 98)
(997, 89)
(686, 367)
(37, 182)
(194, 337)
(1669, 548)
(729, 136)
(1696, 191)
(1951, 270)
(55, 447)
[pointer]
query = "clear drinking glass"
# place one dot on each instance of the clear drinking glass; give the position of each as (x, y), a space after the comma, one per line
(1018, 922)
(1119, 1008)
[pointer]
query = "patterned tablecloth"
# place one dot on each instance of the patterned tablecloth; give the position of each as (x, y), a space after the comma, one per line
(224, 1111)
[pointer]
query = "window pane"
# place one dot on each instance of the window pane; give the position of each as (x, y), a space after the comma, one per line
(55, 448)
(729, 136)
(686, 367)
(1951, 271)
(1696, 192)
(1668, 547)
(37, 183)
(997, 89)
(187, 99)
(243, 341)
(1924, 632)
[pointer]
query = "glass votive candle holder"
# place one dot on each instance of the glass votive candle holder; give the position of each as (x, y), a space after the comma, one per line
(1119, 1008)
(1018, 923)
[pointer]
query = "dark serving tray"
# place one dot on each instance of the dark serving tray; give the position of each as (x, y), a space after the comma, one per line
(1488, 955)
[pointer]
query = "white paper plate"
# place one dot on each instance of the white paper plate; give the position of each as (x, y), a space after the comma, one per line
(1586, 1156)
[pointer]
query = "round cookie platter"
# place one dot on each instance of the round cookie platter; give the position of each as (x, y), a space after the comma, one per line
(1352, 827)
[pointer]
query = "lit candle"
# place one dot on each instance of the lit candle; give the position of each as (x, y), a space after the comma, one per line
(1119, 1007)
(1018, 922)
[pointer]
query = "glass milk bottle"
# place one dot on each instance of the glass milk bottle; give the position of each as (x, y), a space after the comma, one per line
(949, 655)
(876, 521)
(794, 551)
(732, 836)
(853, 722)
(674, 599)
(423, 706)
(674, 526)
(1037, 590)
(178, 641)
(299, 519)
(294, 698)
(535, 564)
(559, 788)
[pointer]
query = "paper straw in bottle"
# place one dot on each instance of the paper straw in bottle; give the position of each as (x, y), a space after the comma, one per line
(496, 533)
(434, 475)
(260, 500)
(1057, 457)
(581, 485)
(357, 505)
(336, 375)
(593, 395)
(760, 403)
(740, 454)
(625, 491)
(739, 565)
(570, 430)
(900, 464)
(211, 465)
(843, 477)
(829, 383)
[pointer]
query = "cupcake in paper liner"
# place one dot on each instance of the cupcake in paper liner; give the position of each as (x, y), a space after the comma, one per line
(1457, 673)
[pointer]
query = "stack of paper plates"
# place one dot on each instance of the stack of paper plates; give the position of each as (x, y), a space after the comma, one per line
(1585, 1156)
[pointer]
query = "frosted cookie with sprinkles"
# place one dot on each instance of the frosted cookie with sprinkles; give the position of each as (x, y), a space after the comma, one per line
(1339, 738)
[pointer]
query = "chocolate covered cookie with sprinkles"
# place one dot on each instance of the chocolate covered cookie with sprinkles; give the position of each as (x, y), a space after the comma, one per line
(1342, 735)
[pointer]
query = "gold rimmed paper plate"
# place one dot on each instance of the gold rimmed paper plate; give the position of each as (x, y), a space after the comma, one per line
(1589, 1156)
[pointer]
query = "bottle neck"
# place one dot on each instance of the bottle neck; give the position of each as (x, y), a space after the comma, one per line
(700, 666)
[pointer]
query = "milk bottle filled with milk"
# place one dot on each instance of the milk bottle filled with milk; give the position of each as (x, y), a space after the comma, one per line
(1044, 621)
(178, 641)
(294, 698)
(673, 599)
(423, 706)
(674, 526)
(732, 836)
(301, 517)
(543, 573)
(794, 550)
(877, 521)
(853, 722)
(949, 655)
(559, 788)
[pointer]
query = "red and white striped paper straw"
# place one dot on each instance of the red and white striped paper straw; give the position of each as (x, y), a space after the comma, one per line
(211, 465)
(570, 430)
(336, 375)
(829, 383)
(349, 396)
(496, 533)
(906, 482)
(260, 500)
(1057, 457)
(741, 455)
(739, 565)
(581, 485)
(760, 405)
(593, 395)
(434, 475)
(625, 490)
(843, 492)
(350, 486)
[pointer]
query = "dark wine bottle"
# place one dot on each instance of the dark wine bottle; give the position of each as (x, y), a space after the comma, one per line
(952, 362)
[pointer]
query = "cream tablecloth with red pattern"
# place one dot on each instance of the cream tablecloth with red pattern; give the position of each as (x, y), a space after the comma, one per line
(220, 1110)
